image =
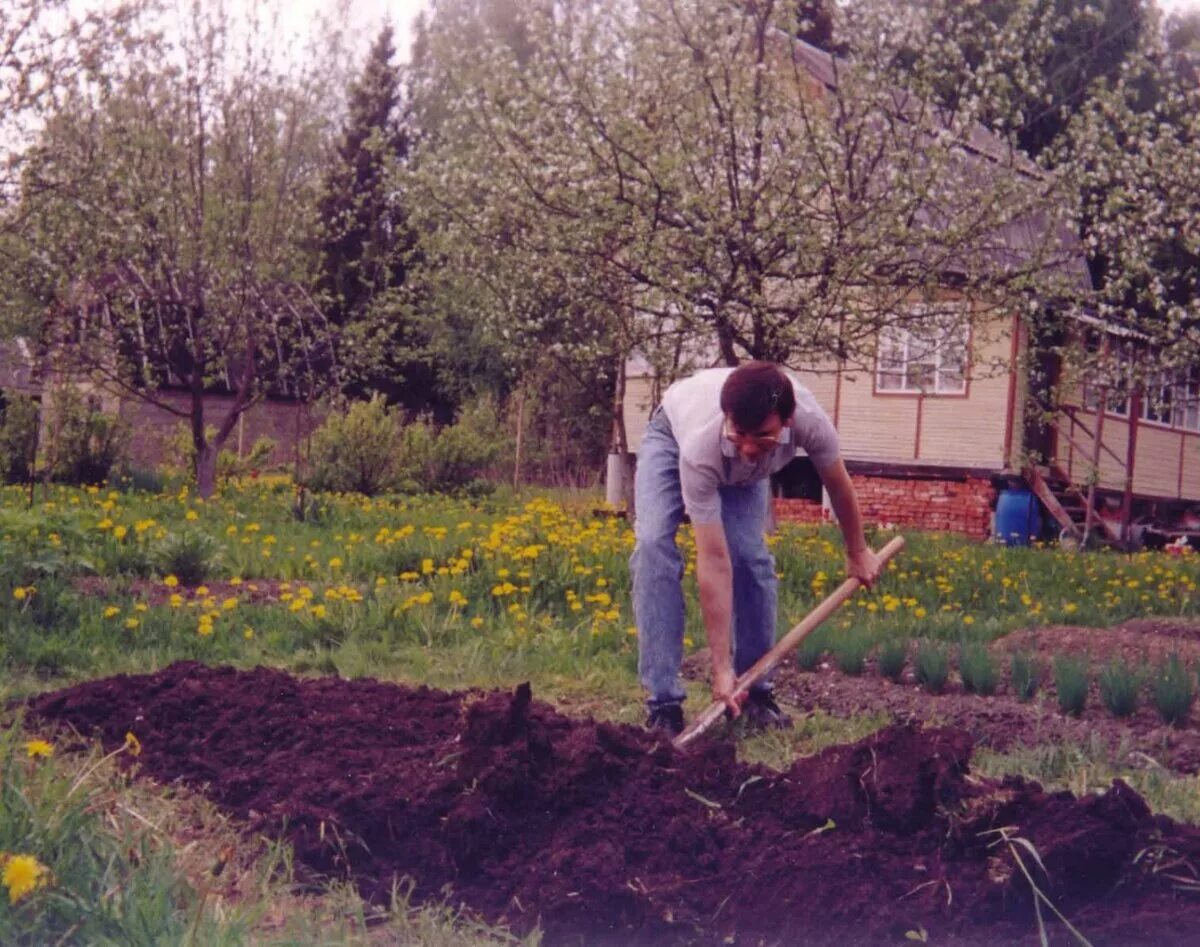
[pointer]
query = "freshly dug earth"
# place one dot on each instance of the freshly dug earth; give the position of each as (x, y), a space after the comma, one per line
(602, 834)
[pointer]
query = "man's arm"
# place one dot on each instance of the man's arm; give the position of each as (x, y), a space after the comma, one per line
(714, 573)
(861, 562)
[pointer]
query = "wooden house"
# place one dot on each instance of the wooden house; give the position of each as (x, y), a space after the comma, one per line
(940, 425)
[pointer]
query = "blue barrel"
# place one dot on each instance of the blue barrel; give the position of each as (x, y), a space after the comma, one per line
(1018, 518)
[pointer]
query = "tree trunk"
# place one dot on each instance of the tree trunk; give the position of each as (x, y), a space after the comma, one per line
(206, 470)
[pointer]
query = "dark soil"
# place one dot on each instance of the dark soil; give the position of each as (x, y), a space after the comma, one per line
(602, 834)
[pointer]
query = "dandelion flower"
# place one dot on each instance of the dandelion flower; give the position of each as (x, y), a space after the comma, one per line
(170, 581)
(38, 749)
(133, 744)
(112, 611)
(23, 874)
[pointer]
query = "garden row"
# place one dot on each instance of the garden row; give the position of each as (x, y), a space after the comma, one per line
(1170, 684)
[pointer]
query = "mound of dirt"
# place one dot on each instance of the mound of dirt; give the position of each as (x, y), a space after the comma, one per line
(602, 834)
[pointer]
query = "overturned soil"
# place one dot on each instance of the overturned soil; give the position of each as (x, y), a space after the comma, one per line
(602, 834)
(1001, 721)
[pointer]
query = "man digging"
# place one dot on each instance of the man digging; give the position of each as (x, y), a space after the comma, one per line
(709, 451)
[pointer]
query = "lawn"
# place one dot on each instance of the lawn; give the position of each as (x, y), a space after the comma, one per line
(455, 594)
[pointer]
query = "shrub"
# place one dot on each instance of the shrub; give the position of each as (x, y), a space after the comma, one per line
(1071, 683)
(850, 651)
(86, 444)
(138, 479)
(932, 665)
(1119, 686)
(455, 458)
(18, 438)
(890, 658)
(190, 556)
(1026, 676)
(357, 450)
(977, 668)
(1174, 690)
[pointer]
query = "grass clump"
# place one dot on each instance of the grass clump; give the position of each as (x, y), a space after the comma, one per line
(932, 665)
(977, 668)
(808, 654)
(850, 651)
(1119, 687)
(1071, 683)
(1174, 690)
(191, 556)
(1026, 675)
(890, 658)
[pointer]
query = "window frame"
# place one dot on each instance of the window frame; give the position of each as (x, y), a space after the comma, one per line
(905, 335)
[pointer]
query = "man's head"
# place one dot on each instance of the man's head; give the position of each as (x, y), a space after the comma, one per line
(757, 400)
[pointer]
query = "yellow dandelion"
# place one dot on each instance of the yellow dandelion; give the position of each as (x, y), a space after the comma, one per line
(38, 749)
(132, 623)
(171, 581)
(476, 622)
(111, 611)
(132, 744)
(318, 611)
(19, 593)
(23, 874)
(120, 532)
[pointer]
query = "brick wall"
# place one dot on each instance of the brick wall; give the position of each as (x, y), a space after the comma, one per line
(282, 421)
(960, 505)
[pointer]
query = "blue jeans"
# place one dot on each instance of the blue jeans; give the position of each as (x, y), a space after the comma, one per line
(657, 567)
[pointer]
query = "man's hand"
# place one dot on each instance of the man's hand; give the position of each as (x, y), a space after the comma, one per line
(723, 682)
(863, 565)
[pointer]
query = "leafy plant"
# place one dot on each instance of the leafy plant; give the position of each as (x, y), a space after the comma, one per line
(357, 450)
(85, 444)
(850, 651)
(18, 438)
(932, 665)
(1071, 681)
(1119, 686)
(977, 668)
(455, 458)
(1174, 690)
(190, 556)
(890, 658)
(1026, 675)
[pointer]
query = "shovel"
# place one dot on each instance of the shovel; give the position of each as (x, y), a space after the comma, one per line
(784, 646)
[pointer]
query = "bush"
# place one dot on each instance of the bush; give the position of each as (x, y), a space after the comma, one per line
(932, 665)
(850, 651)
(357, 451)
(139, 480)
(978, 671)
(1026, 676)
(1119, 686)
(890, 658)
(86, 444)
(190, 556)
(1071, 683)
(18, 438)
(454, 459)
(1174, 690)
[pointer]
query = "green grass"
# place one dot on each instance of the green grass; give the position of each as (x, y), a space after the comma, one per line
(453, 594)
(1071, 681)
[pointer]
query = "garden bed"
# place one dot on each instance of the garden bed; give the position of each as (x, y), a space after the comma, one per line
(600, 833)
(1001, 721)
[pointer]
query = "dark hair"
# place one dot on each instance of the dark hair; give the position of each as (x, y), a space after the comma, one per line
(753, 391)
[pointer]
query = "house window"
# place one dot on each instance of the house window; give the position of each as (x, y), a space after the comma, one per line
(1185, 400)
(930, 358)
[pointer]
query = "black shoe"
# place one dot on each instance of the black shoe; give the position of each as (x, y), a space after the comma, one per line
(762, 713)
(666, 717)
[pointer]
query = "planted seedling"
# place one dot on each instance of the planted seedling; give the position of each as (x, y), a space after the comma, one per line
(890, 658)
(932, 665)
(1119, 686)
(977, 668)
(1174, 690)
(1071, 683)
(1026, 675)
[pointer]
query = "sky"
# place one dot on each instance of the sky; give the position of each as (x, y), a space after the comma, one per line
(367, 15)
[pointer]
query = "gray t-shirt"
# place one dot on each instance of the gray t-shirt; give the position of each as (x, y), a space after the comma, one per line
(708, 459)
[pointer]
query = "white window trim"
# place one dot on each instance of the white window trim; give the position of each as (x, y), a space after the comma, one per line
(903, 339)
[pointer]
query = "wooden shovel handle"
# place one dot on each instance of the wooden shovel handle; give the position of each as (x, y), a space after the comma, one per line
(783, 647)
